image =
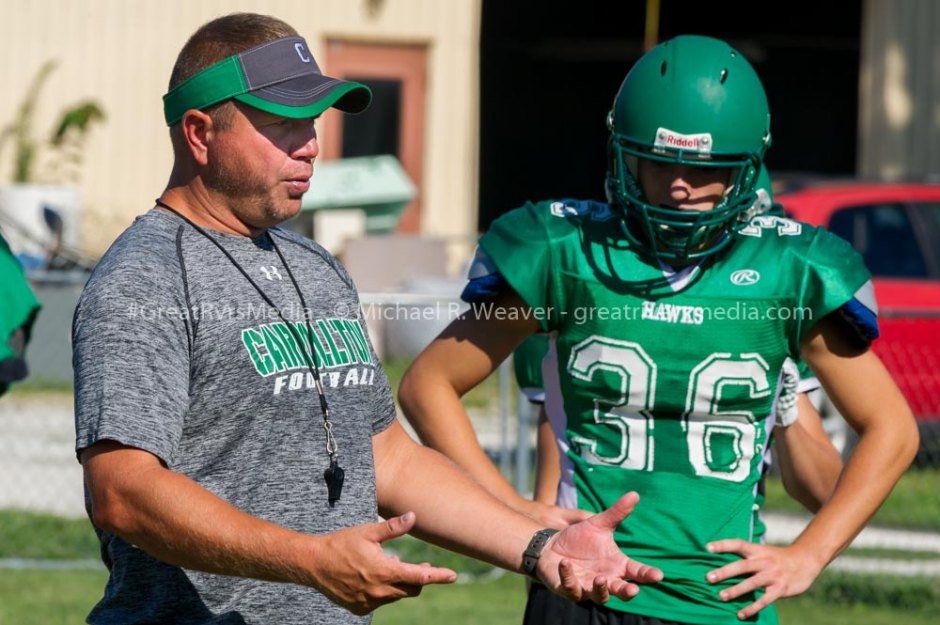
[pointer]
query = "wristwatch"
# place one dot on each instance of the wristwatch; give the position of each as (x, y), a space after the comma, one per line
(530, 557)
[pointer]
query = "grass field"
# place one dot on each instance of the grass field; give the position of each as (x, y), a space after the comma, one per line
(502, 602)
(913, 504)
(64, 598)
(50, 597)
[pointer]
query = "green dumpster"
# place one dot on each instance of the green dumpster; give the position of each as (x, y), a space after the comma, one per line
(378, 185)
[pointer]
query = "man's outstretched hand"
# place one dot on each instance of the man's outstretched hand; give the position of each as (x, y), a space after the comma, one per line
(583, 562)
(352, 570)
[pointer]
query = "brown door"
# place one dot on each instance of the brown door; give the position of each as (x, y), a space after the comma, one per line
(394, 124)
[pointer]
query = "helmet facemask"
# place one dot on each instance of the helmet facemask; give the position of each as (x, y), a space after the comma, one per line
(680, 235)
(692, 101)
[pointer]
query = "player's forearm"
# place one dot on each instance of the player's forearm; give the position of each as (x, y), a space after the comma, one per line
(864, 393)
(451, 509)
(548, 467)
(885, 450)
(810, 471)
(809, 464)
(177, 521)
(440, 420)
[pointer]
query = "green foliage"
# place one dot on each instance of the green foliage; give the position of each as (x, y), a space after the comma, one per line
(65, 597)
(410, 549)
(889, 554)
(37, 384)
(65, 144)
(502, 601)
(913, 504)
(49, 597)
(495, 602)
(809, 611)
(916, 594)
(32, 535)
(915, 501)
(485, 596)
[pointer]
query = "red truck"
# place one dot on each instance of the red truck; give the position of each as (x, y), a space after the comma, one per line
(896, 228)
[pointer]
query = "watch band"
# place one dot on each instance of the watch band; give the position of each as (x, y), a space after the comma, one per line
(530, 557)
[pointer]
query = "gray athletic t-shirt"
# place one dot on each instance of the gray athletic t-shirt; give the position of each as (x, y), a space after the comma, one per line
(177, 354)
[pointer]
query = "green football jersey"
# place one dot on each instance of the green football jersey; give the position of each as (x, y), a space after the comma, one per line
(20, 305)
(527, 366)
(667, 378)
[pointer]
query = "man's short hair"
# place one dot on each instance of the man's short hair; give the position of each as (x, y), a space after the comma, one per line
(223, 37)
(220, 39)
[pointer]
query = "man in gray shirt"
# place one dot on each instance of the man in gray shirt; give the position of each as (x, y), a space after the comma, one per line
(235, 427)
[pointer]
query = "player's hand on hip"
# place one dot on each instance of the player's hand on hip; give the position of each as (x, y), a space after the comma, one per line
(780, 571)
(352, 570)
(584, 563)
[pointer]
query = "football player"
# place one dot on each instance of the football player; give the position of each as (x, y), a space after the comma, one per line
(17, 316)
(671, 311)
(809, 470)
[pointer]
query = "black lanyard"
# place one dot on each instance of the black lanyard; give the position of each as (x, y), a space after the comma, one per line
(334, 474)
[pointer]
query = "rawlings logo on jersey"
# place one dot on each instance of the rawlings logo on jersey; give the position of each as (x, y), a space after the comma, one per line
(672, 140)
(745, 277)
(673, 313)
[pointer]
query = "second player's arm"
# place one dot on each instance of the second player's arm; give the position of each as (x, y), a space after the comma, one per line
(548, 463)
(809, 464)
(465, 353)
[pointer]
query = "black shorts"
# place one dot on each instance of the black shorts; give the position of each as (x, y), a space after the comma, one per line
(546, 608)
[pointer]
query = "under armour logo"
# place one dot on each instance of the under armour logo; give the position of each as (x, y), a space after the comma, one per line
(271, 273)
(745, 277)
(299, 47)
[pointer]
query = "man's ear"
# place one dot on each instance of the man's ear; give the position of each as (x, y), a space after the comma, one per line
(197, 131)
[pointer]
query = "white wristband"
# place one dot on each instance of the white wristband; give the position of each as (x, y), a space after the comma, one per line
(786, 412)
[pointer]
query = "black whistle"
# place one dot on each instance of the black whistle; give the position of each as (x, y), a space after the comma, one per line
(334, 476)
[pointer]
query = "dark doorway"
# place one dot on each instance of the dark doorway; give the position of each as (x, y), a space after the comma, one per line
(396, 73)
(376, 133)
(550, 70)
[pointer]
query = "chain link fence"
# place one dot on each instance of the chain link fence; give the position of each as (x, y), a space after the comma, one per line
(39, 471)
(38, 467)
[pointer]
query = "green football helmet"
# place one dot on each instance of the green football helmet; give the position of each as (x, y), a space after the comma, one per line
(692, 100)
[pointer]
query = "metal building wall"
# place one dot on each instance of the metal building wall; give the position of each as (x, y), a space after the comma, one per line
(899, 97)
(120, 52)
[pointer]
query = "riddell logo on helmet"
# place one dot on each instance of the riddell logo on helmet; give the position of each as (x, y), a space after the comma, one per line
(671, 140)
(682, 142)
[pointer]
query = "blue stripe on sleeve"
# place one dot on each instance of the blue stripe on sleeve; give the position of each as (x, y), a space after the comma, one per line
(484, 288)
(862, 318)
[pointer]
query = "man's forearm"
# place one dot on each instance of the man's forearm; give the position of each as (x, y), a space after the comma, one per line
(452, 510)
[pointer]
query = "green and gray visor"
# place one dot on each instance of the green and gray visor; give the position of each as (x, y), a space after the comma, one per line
(280, 77)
